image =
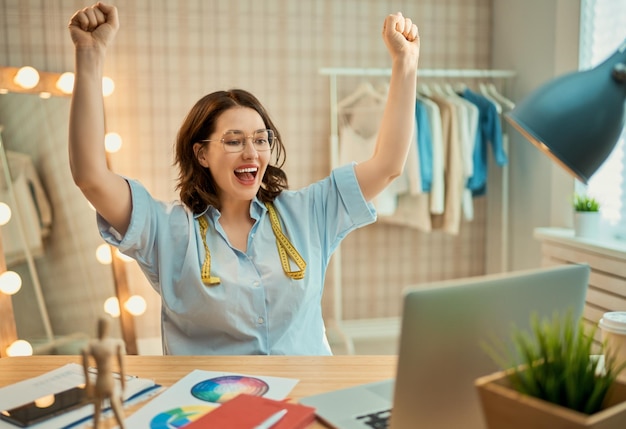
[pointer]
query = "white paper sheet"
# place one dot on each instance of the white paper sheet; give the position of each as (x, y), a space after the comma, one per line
(201, 391)
(58, 380)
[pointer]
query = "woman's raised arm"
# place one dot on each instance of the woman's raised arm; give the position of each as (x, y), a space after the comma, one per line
(398, 122)
(92, 29)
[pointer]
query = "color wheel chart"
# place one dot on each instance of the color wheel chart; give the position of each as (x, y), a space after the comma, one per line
(200, 392)
(179, 417)
(221, 389)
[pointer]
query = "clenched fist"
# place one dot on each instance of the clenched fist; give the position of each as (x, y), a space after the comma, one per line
(401, 37)
(94, 26)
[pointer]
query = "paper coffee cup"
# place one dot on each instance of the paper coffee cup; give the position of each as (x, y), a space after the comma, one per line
(613, 330)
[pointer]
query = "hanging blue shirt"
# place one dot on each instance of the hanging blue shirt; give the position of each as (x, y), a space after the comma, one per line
(489, 132)
(256, 309)
(424, 145)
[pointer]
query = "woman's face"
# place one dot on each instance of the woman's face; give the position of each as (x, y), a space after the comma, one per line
(238, 175)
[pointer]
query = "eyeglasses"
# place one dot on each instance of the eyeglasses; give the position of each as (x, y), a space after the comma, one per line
(235, 140)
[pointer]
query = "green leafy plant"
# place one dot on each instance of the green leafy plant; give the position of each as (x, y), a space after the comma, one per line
(558, 364)
(584, 203)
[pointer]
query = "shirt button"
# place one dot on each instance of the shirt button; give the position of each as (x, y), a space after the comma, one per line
(256, 283)
(260, 320)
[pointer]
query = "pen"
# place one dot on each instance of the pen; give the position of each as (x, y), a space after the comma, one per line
(272, 420)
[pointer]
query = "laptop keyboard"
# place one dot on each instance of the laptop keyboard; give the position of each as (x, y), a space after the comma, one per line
(377, 420)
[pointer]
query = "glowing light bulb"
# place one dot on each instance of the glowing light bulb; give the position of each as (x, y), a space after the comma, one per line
(20, 348)
(27, 77)
(103, 254)
(65, 83)
(112, 142)
(5, 213)
(136, 305)
(108, 86)
(10, 282)
(112, 307)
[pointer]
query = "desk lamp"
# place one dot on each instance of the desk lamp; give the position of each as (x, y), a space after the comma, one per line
(577, 119)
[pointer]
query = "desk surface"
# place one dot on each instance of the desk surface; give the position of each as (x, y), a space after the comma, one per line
(317, 374)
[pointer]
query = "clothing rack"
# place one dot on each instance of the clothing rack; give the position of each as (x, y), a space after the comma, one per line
(333, 73)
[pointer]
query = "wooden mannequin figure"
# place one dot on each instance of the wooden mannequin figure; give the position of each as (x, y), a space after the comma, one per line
(104, 351)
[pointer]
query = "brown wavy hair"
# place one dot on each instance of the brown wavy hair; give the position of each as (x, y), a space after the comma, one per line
(195, 183)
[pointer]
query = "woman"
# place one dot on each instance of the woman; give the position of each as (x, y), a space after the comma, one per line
(240, 261)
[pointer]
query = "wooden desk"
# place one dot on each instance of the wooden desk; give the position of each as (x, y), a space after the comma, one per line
(317, 374)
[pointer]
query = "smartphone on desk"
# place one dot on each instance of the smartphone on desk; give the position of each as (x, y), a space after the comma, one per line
(45, 407)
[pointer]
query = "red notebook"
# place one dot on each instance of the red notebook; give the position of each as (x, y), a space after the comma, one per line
(247, 411)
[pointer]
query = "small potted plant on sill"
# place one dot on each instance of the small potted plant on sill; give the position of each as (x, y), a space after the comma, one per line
(586, 216)
(560, 383)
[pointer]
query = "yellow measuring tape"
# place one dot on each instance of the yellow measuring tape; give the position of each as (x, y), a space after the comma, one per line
(285, 250)
(205, 272)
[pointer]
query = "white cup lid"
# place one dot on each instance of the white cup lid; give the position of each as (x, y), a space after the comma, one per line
(614, 321)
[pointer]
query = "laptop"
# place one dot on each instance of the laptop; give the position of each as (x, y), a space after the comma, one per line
(445, 326)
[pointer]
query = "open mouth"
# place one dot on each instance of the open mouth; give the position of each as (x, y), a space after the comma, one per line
(246, 174)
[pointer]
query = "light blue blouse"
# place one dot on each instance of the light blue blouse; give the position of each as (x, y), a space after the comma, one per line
(256, 309)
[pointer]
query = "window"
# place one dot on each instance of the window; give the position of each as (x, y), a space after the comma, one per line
(602, 30)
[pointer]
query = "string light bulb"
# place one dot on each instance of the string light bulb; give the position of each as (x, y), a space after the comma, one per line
(112, 142)
(5, 213)
(20, 348)
(112, 307)
(136, 305)
(10, 282)
(103, 254)
(65, 83)
(27, 77)
(108, 86)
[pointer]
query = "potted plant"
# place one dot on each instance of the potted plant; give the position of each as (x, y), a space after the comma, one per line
(586, 215)
(560, 383)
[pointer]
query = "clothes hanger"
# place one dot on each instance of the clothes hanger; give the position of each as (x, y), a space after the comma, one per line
(447, 87)
(424, 90)
(382, 88)
(508, 104)
(437, 89)
(363, 91)
(485, 93)
(460, 87)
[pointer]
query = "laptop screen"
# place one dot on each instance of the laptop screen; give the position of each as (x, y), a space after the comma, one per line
(445, 326)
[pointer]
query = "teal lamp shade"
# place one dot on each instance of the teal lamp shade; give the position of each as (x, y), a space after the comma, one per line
(577, 119)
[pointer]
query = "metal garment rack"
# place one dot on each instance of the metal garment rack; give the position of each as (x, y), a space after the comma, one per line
(333, 73)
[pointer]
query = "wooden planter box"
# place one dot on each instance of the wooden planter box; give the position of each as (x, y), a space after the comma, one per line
(505, 408)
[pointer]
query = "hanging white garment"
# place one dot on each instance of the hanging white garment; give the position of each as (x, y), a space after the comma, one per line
(355, 148)
(361, 114)
(412, 206)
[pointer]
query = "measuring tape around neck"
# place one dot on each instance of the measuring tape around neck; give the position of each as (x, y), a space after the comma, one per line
(284, 246)
(205, 272)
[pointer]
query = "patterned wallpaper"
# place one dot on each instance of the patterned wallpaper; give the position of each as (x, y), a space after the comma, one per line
(170, 53)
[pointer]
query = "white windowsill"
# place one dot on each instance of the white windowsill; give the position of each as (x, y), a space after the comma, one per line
(608, 247)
